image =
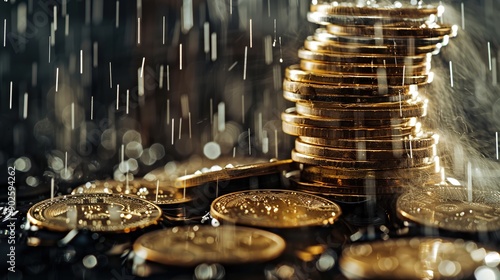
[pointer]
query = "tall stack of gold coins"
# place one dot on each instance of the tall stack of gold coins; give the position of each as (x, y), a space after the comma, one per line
(358, 109)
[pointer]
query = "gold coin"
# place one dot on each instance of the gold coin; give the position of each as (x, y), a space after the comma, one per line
(340, 197)
(354, 68)
(193, 245)
(274, 209)
(358, 93)
(296, 74)
(351, 49)
(377, 188)
(195, 164)
(422, 31)
(329, 173)
(368, 184)
(422, 140)
(347, 133)
(99, 212)
(362, 111)
(362, 154)
(323, 189)
(412, 258)
(167, 195)
(402, 11)
(347, 186)
(314, 97)
(233, 172)
(323, 35)
(325, 19)
(371, 165)
(361, 60)
(290, 116)
(453, 208)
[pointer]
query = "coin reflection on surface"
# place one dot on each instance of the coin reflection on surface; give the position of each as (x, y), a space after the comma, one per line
(98, 212)
(450, 208)
(416, 258)
(192, 245)
(275, 209)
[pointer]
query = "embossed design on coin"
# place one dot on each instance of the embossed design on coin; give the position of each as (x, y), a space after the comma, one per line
(275, 209)
(98, 212)
(416, 258)
(189, 246)
(452, 208)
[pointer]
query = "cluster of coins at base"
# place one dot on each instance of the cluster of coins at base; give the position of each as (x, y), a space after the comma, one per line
(111, 207)
(115, 206)
(358, 109)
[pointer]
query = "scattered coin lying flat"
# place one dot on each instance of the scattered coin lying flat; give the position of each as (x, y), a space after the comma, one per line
(144, 189)
(422, 140)
(453, 208)
(274, 209)
(416, 258)
(192, 245)
(99, 212)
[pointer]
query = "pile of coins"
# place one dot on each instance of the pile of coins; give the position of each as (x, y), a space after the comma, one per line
(357, 105)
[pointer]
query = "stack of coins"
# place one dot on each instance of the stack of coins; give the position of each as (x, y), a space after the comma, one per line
(358, 108)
